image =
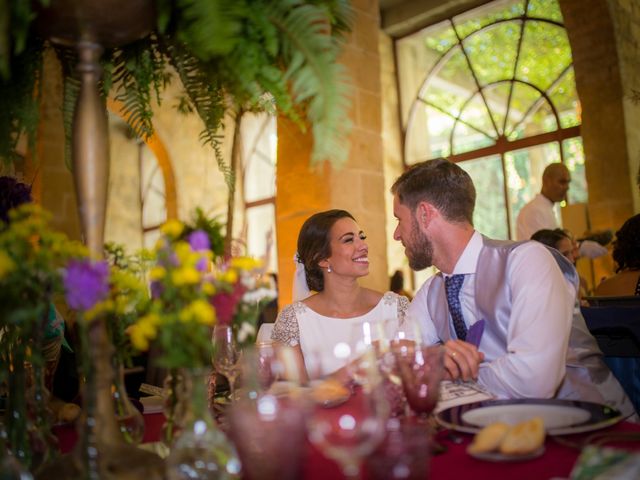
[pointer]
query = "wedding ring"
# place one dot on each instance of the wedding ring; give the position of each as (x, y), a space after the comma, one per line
(453, 354)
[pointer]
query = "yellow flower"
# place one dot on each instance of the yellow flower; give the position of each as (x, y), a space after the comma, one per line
(6, 264)
(208, 288)
(185, 276)
(246, 263)
(230, 276)
(184, 253)
(157, 273)
(172, 228)
(199, 311)
(145, 330)
(98, 309)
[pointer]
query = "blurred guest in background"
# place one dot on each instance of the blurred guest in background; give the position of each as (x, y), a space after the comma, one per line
(539, 214)
(626, 254)
(396, 284)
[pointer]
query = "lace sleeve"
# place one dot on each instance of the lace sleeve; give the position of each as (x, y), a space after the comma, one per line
(403, 306)
(286, 329)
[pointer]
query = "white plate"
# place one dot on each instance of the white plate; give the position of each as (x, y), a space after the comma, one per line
(501, 457)
(561, 417)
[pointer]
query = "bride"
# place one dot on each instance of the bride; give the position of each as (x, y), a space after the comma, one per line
(332, 256)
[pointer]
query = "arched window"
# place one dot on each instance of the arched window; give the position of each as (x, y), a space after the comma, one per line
(494, 89)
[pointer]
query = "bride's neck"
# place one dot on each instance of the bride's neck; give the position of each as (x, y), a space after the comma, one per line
(344, 299)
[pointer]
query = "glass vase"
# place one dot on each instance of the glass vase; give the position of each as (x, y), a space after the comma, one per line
(175, 394)
(16, 415)
(129, 418)
(201, 450)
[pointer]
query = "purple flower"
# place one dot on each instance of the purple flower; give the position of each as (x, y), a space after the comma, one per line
(86, 283)
(156, 289)
(199, 241)
(202, 265)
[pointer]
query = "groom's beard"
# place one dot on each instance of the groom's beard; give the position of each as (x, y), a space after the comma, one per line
(419, 250)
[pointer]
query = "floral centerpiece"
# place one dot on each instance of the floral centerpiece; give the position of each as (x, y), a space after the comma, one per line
(31, 257)
(178, 322)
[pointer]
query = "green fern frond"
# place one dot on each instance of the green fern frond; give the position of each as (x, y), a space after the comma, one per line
(316, 78)
(19, 99)
(136, 71)
(71, 90)
(205, 96)
(210, 28)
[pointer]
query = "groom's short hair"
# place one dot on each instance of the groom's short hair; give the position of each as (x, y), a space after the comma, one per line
(441, 183)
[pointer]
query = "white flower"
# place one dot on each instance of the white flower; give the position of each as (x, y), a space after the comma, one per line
(246, 329)
(257, 295)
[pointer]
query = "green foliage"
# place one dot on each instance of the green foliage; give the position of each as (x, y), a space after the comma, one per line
(230, 55)
(211, 226)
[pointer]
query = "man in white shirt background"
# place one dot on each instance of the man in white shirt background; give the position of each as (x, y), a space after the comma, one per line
(540, 213)
(532, 346)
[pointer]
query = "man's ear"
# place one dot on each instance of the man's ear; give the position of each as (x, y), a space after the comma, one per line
(425, 212)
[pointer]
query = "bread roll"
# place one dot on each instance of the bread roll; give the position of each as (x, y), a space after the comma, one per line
(68, 413)
(523, 438)
(489, 438)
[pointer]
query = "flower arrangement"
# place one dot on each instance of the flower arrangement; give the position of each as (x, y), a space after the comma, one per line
(240, 296)
(31, 258)
(179, 315)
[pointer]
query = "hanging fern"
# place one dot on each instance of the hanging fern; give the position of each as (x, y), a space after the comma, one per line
(19, 100)
(243, 55)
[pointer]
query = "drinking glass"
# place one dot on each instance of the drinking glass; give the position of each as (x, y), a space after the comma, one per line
(421, 369)
(349, 433)
(404, 453)
(226, 355)
(267, 429)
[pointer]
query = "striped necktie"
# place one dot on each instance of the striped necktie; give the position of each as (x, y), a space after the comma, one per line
(452, 285)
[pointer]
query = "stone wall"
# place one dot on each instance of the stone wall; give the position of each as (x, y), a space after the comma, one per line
(599, 86)
(626, 21)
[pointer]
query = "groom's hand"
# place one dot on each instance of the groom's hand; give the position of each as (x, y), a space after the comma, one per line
(462, 360)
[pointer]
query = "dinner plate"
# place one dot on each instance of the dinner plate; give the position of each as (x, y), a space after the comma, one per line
(501, 457)
(561, 417)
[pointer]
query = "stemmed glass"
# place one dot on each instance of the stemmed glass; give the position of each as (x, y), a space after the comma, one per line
(268, 429)
(421, 369)
(226, 355)
(347, 434)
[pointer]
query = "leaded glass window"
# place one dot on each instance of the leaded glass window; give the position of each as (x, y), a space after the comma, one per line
(494, 89)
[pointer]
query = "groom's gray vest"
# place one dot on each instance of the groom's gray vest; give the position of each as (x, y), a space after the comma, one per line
(587, 376)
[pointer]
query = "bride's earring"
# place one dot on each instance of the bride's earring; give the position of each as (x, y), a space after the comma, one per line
(329, 269)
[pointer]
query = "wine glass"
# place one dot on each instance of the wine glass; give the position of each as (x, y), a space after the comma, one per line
(268, 429)
(421, 369)
(350, 432)
(226, 355)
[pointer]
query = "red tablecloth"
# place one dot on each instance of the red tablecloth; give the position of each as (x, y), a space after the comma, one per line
(557, 461)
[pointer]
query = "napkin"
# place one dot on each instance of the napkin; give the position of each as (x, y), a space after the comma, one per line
(474, 334)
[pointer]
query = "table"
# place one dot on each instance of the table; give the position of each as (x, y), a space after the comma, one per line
(557, 461)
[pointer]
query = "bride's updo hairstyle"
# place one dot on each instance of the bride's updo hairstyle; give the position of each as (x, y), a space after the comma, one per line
(314, 244)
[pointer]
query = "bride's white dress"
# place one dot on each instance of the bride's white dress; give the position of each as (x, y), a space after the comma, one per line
(319, 336)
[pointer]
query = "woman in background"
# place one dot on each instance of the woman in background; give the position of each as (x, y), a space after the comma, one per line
(626, 254)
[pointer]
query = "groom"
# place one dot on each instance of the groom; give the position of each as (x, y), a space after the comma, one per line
(532, 345)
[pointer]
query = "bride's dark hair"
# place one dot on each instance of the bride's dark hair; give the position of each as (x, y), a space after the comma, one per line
(314, 245)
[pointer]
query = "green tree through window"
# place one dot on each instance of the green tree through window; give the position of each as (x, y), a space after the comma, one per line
(494, 89)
